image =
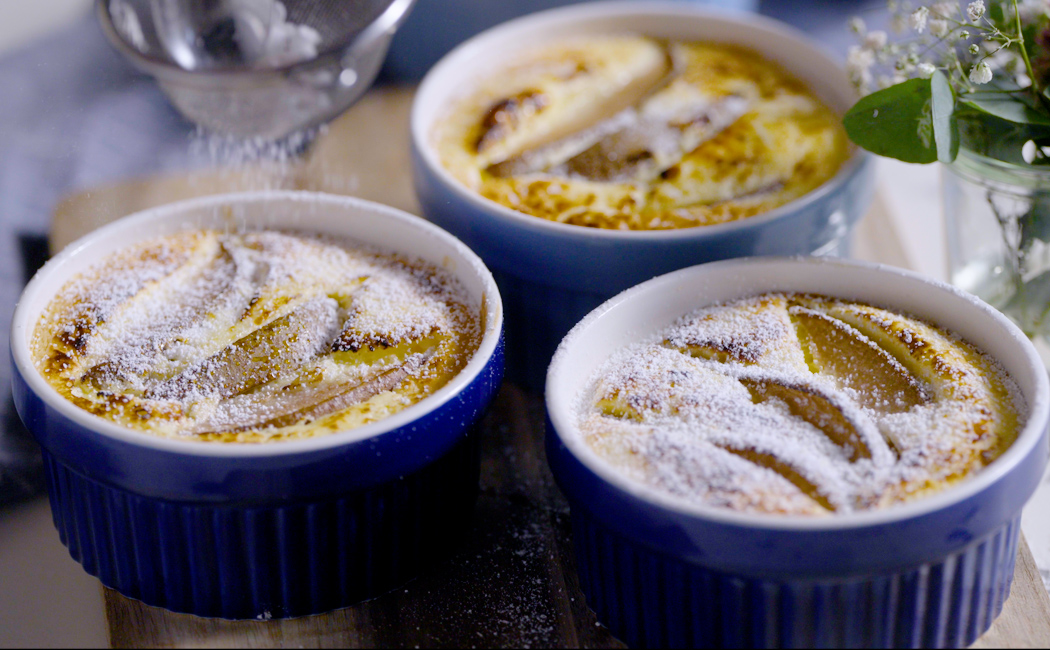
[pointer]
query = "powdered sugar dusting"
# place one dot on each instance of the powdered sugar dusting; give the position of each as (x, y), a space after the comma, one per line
(729, 407)
(256, 335)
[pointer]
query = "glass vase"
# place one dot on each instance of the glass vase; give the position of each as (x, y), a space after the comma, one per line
(998, 228)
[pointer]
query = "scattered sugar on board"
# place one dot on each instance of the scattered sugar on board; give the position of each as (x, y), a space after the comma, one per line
(685, 424)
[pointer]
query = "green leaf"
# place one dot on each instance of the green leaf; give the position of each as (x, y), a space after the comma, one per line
(1007, 106)
(895, 122)
(942, 109)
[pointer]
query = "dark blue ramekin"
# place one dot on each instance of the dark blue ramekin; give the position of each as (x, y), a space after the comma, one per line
(553, 274)
(660, 571)
(264, 530)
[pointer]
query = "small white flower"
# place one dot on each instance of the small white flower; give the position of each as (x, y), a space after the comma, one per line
(860, 58)
(975, 10)
(926, 70)
(918, 19)
(939, 27)
(963, 35)
(858, 67)
(974, 49)
(981, 73)
(857, 26)
(876, 40)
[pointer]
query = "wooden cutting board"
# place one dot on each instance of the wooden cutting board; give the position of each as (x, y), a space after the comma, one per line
(514, 584)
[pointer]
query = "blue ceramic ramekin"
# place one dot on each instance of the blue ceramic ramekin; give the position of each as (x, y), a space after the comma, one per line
(264, 530)
(660, 571)
(552, 274)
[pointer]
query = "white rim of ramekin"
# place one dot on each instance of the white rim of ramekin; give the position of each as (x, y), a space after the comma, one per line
(560, 408)
(425, 114)
(21, 330)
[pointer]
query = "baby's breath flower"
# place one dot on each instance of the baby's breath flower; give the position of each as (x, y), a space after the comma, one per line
(975, 10)
(926, 69)
(858, 66)
(918, 19)
(857, 26)
(939, 27)
(875, 40)
(981, 73)
(974, 49)
(963, 35)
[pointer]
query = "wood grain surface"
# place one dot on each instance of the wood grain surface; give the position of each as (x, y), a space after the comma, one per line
(514, 582)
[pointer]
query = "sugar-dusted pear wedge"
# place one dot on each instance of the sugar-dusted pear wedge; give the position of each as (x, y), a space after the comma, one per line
(566, 89)
(875, 378)
(789, 450)
(660, 382)
(302, 402)
(635, 145)
(669, 124)
(279, 347)
(841, 422)
(99, 302)
(785, 470)
(966, 389)
(752, 331)
(553, 154)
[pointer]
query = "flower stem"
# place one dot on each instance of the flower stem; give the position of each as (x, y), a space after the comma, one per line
(1036, 89)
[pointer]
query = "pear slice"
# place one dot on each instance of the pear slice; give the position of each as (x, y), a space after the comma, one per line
(661, 382)
(634, 146)
(754, 331)
(277, 348)
(305, 402)
(668, 125)
(784, 469)
(566, 90)
(101, 302)
(957, 375)
(828, 414)
(878, 381)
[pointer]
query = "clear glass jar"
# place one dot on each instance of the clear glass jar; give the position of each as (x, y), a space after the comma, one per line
(997, 218)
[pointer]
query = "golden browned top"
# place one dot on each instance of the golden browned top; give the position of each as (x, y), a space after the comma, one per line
(801, 404)
(254, 336)
(627, 132)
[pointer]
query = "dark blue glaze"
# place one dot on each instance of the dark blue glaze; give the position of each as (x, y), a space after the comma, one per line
(658, 576)
(264, 536)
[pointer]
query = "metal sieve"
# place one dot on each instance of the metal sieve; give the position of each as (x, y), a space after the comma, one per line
(256, 68)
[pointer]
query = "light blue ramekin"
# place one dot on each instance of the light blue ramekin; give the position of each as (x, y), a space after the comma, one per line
(552, 274)
(663, 572)
(264, 530)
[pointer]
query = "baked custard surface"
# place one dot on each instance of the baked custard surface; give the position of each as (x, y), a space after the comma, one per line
(800, 404)
(252, 337)
(633, 133)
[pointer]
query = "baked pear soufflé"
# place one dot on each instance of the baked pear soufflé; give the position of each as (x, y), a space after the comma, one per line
(800, 404)
(634, 133)
(253, 336)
